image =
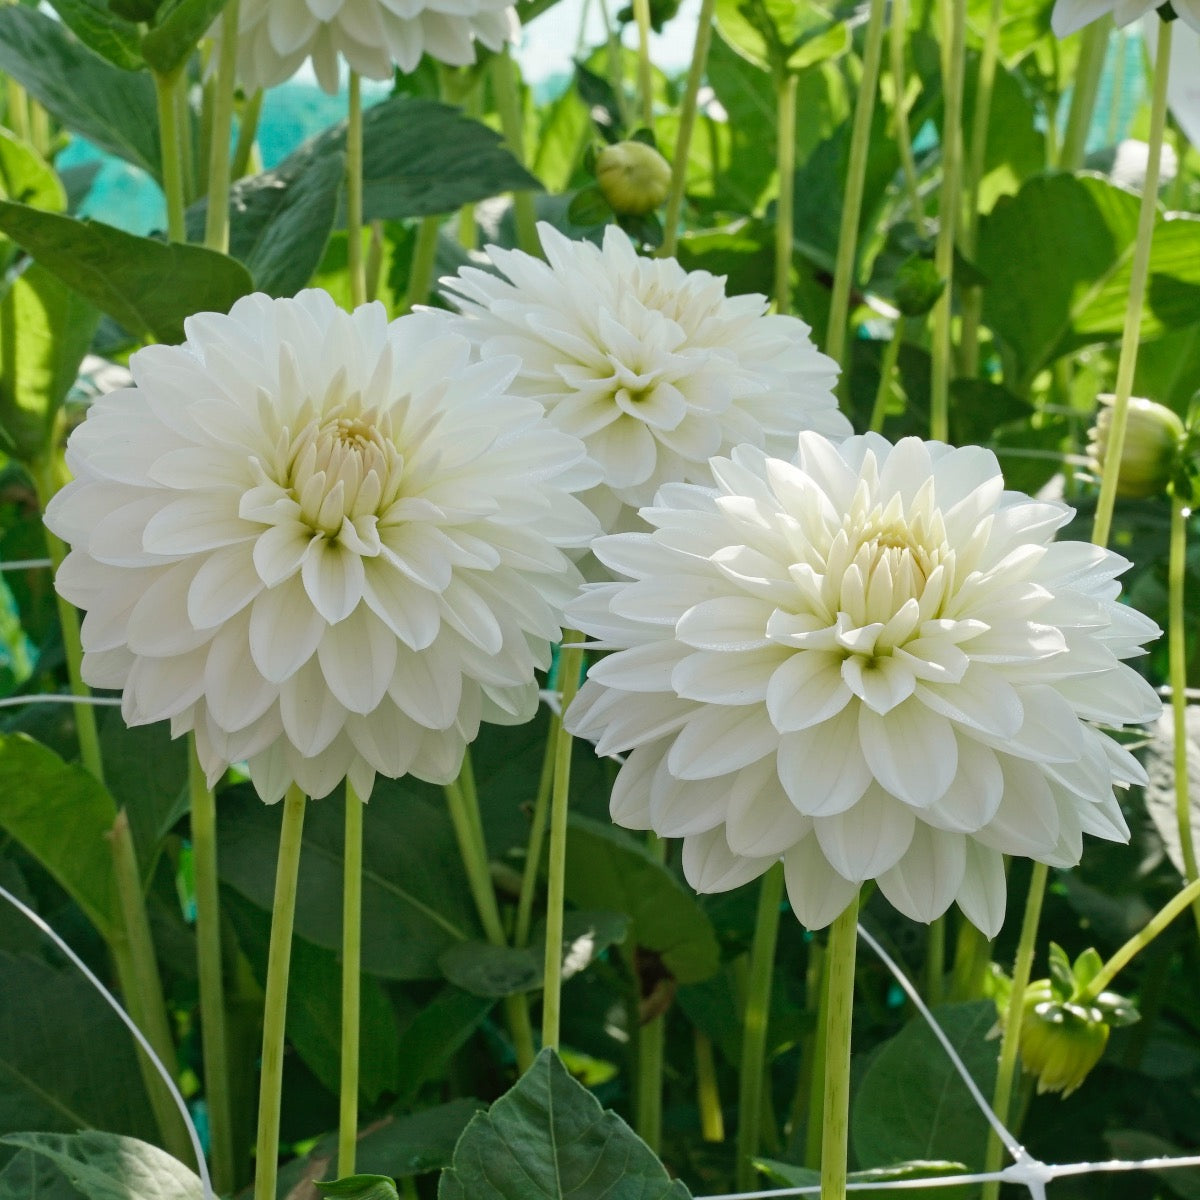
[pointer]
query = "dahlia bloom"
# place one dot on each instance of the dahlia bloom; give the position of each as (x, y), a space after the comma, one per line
(276, 36)
(327, 544)
(871, 662)
(654, 367)
(1070, 16)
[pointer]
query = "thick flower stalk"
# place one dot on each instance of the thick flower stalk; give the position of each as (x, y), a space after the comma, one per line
(871, 662)
(327, 544)
(276, 36)
(655, 368)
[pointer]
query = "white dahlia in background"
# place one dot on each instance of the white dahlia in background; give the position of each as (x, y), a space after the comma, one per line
(654, 367)
(373, 36)
(329, 545)
(872, 663)
(1069, 16)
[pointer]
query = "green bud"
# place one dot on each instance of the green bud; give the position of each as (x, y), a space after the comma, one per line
(634, 178)
(1061, 1041)
(1154, 440)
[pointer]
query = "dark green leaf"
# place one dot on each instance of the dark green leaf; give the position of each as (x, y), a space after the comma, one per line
(179, 27)
(115, 109)
(435, 1035)
(360, 1187)
(105, 1166)
(607, 869)
(66, 1061)
(62, 816)
(146, 285)
(1135, 1144)
(549, 1139)
(912, 1103)
(109, 34)
(416, 901)
(31, 1177)
(280, 221)
(45, 330)
(588, 207)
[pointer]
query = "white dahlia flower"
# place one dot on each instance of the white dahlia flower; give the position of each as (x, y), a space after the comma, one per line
(654, 367)
(328, 544)
(276, 36)
(1070, 16)
(872, 663)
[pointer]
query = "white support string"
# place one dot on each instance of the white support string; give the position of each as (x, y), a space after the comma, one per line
(131, 1025)
(59, 698)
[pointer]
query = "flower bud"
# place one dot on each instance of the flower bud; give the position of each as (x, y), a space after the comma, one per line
(1061, 1041)
(634, 178)
(1154, 438)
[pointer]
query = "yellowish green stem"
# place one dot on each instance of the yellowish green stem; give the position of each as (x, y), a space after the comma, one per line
(641, 14)
(354, 194)
(754, 1025)
(374, 267)
(537, 838)
(785, 157)
(352, 869)
(1093, 47)
(887, 368)
(279, 959)
(212, 982)
(39, 129)
(1118, 87)
(708, 1095)
(839, 1012)
(903, 132)
(570, 664)
(183, 127)
(852, 195)
(508, 102)
(18, 110)
(1010, 1043)
(972, 954)
(651, 1043)
(216, 227)
(165, 87)
(935, 962)
(247, 132)
(424, 257)
(949, 200)
(687, 124)
(1139, 269)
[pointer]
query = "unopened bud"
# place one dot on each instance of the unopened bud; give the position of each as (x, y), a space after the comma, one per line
(634, 178)
(1154, 439)
(1061, 1041)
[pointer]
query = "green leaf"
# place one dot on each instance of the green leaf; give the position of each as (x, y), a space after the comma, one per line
(104, 31)
(112, 108)
(435, 1035)
(416, 901)
(360, 1187)
(45, 330)
(549, 1138)
(1135, 1144)
(280, 221)
(30, 1177)
(912, 1103)
(146, 285)
(66, 1061)
(26, 178)
(781, 35)
(1061, 978)
(486, 970)
(106, 1166)
(62, 816)
(588, 207)
(606, 869)
(179, 27)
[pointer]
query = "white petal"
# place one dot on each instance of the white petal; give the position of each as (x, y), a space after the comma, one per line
(358, 657)
(868, 838)
(983, 893)
(911, 752)
(822, 768)
(710, 866)
(285, 630)
(761, 821)
(817, 893)
(717, 741)
(923, 884)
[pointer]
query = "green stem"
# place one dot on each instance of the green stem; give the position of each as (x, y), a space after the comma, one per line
(1140, 940)
(374, 267)
(424, 257)
(972, 953)
(754, 1024)
(949, 200)
(651, 1044)
(935, 962)
(537, 837)
(183, 126)
(212, 983)
(1010, 1043)
(172, 162)
(887, 368)
(1118, 87)
(708, 1095)
(354, 194)
(408, 1188)
(247, 132)
(570, 663)
(616, 64)
(279, 958)
(818, 974)
(1127, 363)
(141, 976)
(641, 14)
(835, 1122)
(216, 227)
(1093, 48)
(785, 157)
(1177, 656)
(39, 130)
(18, 111)
(508, 102)
(352, 871)
(856, 174)
(687, 124)
(903, 132)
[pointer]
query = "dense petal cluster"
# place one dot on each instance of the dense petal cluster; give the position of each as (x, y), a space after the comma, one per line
(654, 367)
(373, 36)
(871, 662)
(1070, 16)
(328, 544)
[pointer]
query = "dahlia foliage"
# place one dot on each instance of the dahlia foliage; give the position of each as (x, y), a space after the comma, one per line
(871, 662)
(373, 36)
(327, 544)
(654, 367)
